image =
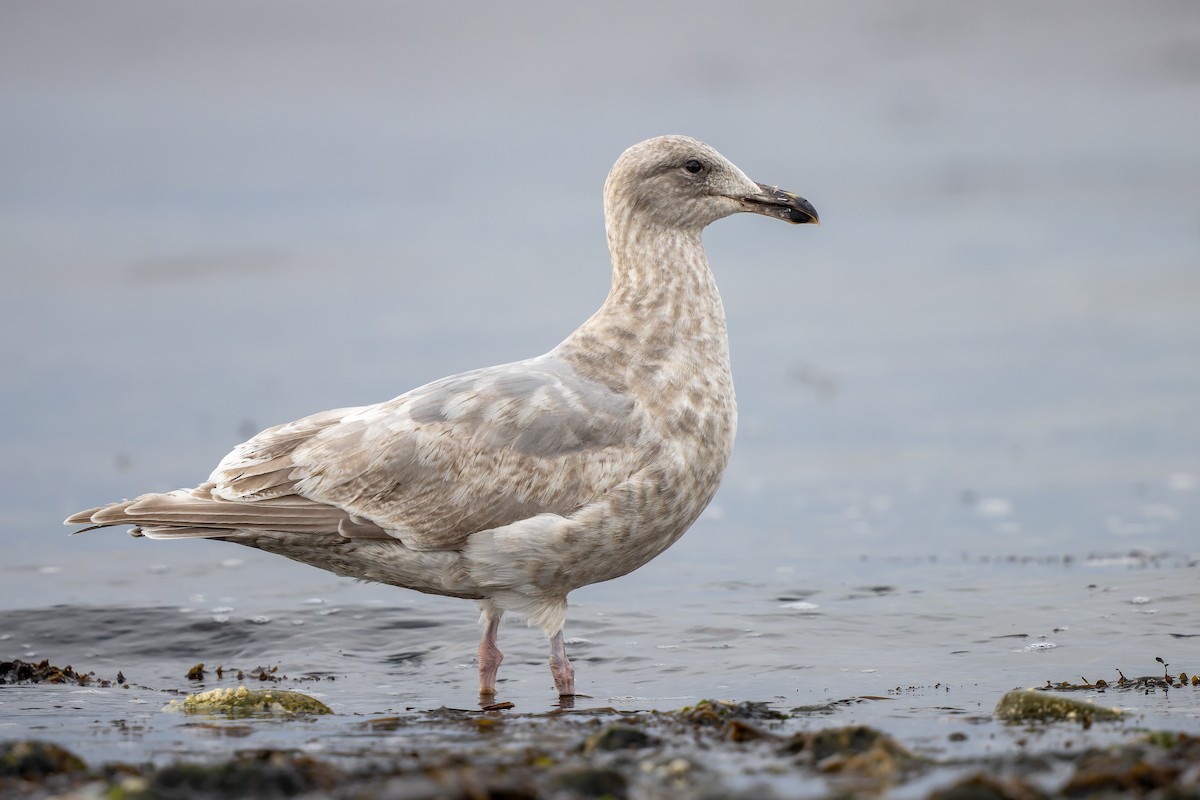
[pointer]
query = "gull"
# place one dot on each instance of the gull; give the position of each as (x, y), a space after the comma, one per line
(513, 485)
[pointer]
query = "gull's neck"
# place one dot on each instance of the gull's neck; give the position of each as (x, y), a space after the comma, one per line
(656, 267)
(662, 325)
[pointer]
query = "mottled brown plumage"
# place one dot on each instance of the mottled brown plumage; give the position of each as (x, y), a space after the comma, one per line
(515, 484)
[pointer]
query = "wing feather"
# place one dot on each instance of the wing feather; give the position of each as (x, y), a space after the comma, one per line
(460, 455)
(467, 453)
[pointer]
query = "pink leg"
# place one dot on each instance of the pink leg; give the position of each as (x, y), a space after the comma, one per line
(560, 666)
(489, 652)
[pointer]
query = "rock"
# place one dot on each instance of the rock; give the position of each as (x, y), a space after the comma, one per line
(986, 787)
(1023, 705)
(856, 753)
(592, 782)
(1122, 771)
(738, 731)
(245, 702)
(261, 774)
(847, 741)
(619, 737)
(718, 712)
(31, 760)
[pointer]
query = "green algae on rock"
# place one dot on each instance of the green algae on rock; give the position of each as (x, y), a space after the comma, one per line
(1023, 705)
(241, 702)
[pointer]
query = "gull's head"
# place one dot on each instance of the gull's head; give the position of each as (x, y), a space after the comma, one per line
(681, 183)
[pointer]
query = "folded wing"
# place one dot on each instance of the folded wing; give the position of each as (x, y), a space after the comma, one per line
(467, 453)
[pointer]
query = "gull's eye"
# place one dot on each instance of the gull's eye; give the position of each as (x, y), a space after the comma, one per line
(693, 166)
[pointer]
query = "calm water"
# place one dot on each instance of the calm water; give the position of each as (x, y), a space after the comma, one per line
(968, 400)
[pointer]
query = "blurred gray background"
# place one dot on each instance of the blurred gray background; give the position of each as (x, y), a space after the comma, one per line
(216, 217)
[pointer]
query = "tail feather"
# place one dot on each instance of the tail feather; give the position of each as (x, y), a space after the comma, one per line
(182, 533)
(195, 513)
(85, 516)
